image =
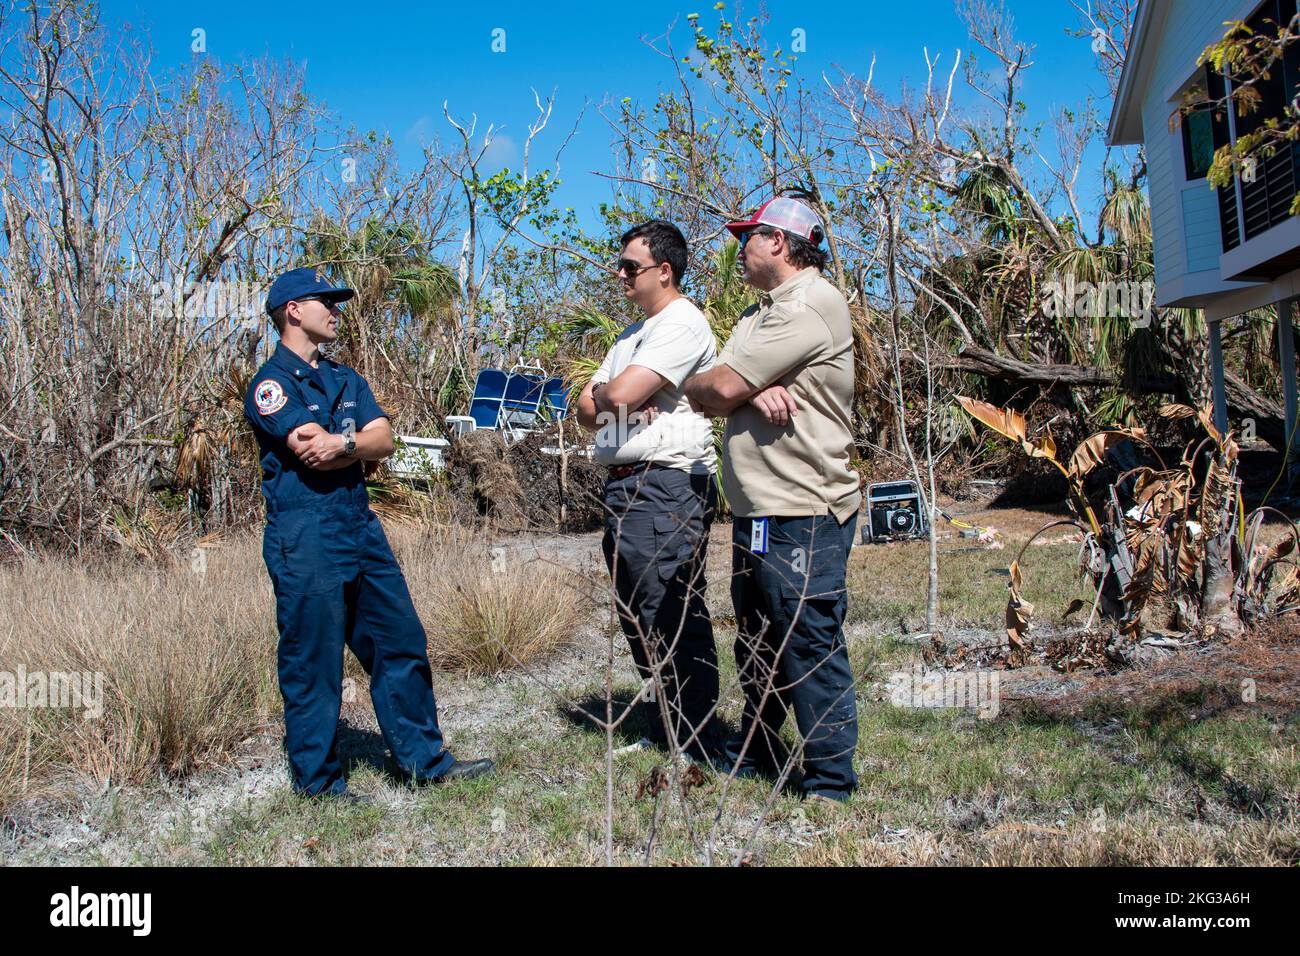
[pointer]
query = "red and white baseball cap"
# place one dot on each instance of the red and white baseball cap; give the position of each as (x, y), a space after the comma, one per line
(783, 212)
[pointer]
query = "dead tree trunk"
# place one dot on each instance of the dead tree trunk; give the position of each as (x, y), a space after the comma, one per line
(1243, 401)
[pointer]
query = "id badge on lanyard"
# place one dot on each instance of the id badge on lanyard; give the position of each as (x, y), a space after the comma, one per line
(758, 536)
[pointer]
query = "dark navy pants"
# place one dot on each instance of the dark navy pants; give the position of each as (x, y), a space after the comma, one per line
(337, 583)
(790, 650)
(656, 537)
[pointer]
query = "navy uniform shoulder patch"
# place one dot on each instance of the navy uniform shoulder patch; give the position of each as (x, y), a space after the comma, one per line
(269, 396)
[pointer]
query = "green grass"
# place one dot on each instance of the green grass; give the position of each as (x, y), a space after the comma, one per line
(888, 583)
(1173, 776)
(1119, 783)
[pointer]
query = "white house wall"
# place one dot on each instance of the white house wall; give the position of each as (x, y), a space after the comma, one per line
(1184, 215)
(1203, 239)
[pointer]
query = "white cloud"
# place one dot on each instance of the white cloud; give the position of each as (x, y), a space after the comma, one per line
(501, 153)
(421, 131)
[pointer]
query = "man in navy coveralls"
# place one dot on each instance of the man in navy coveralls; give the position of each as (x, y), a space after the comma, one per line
(335, 578)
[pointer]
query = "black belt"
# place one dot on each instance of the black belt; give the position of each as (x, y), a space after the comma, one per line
(623, 471)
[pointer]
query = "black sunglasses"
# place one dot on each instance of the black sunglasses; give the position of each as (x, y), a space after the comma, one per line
(633, 268)
(328, 301)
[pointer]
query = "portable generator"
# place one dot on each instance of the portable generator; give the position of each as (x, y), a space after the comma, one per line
(896, 511)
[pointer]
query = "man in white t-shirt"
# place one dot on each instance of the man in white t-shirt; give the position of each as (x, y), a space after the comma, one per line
(660, 496)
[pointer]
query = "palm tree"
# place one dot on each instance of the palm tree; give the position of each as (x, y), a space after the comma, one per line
(986, 193)
(730, 295)
(399, 286)
(591, 333)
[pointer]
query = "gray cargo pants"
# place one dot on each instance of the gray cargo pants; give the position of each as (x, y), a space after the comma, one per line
(656, 536)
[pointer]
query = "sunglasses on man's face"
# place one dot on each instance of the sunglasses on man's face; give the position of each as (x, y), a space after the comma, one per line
(323, 300)
(746, 236)
(632, 267)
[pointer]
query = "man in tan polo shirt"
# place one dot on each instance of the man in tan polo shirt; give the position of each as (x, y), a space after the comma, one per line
(784, 382)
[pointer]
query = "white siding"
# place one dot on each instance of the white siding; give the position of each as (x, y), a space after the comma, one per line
(1184, 217)
(1204, 238)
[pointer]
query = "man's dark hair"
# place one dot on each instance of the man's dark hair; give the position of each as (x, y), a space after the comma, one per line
(278, 317)
(800, 253)
(667, 244)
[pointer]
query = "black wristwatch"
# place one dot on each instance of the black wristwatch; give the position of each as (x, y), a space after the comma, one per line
(349, 445)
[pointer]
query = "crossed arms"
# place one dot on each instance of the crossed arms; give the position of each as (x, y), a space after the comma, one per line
(715, 393)
(632, 388)
(322, 451)
(721, 390)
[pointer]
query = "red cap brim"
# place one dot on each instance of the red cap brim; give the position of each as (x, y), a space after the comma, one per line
(737, 228)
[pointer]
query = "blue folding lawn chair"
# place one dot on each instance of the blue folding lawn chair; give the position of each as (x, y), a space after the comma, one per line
(489, 392)
(556, 398)
(515, 401)
(523, 399)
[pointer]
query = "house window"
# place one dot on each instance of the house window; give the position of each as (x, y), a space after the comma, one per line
(1198, 143)
(1205, 129)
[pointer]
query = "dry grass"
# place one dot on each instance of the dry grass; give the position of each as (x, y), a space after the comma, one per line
(186, 659)
(1169, 767)
(188, 656)
(888, 582)
(489, 611)
(1139, 840)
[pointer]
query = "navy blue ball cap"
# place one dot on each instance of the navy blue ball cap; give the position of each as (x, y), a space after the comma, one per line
(301, 283)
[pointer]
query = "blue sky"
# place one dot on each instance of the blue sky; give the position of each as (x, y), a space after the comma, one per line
(389, 66)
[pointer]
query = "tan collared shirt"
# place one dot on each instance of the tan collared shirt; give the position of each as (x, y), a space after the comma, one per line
(798, 336)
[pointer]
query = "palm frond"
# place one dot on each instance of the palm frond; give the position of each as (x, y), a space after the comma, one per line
(596, 329)
(731, 296)
(984, 192)
(1126, 217)
(577, 373)
(1087, 264)
(426, 289)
